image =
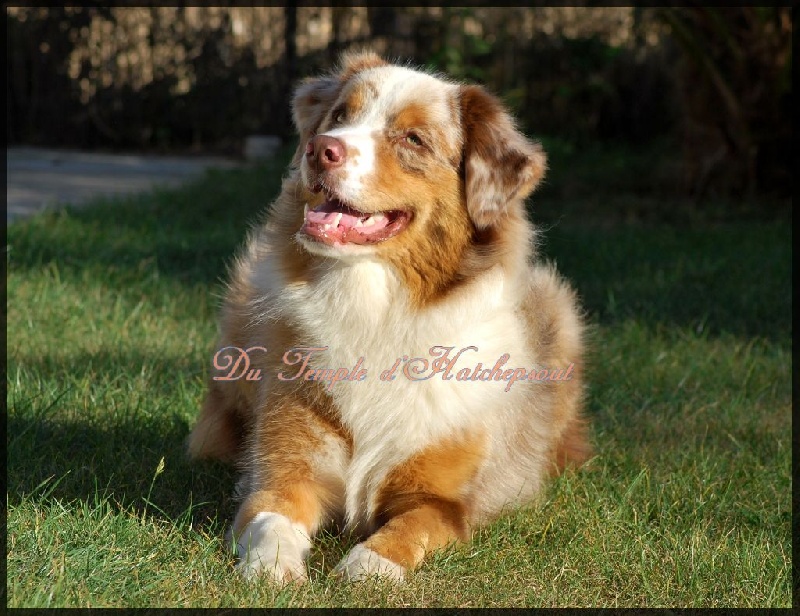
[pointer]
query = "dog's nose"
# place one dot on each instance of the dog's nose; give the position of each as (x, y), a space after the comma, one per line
(327, 152)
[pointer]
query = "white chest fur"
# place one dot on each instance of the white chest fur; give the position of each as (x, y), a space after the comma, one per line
(359, 311)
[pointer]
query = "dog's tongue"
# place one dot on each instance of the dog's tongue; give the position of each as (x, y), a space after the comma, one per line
(333, 222)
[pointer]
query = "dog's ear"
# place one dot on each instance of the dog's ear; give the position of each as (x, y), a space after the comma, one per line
(312, 99)
(314, 96)
(501, 166)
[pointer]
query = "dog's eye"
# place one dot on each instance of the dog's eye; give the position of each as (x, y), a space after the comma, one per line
(338, 116)
(413, 139)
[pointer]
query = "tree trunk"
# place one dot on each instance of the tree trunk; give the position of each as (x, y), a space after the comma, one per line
(290, 64)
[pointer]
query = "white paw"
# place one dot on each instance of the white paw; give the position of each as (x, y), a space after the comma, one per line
(272, 545)
(362, 563)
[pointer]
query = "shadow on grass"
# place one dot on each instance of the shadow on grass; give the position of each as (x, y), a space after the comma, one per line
(734, 278)
(107, 440)
(75, 466)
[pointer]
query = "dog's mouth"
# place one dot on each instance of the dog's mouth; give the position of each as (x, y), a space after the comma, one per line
(335, 223)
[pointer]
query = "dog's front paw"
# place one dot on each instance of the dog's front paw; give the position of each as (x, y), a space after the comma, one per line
(362, 563)
(271, 545)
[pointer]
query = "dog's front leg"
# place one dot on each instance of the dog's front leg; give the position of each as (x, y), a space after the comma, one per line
(273, 531)
(423, 505)
(294, 487)
(402, 543)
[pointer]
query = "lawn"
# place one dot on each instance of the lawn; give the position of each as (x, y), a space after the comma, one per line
(110, 332)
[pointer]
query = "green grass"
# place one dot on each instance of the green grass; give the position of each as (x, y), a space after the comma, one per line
(110, 330)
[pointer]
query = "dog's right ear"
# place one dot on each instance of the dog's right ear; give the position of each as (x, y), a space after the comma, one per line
(311, 101)
(501, 165)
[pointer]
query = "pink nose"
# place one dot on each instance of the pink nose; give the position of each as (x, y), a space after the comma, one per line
(325, 152)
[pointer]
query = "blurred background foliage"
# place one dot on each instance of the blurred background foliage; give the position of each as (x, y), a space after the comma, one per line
(708, 89)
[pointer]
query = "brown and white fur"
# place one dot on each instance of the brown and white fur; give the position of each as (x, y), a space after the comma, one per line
(409, 465)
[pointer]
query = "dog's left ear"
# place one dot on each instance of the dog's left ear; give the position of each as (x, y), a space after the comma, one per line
(312, 99)
(501, 166)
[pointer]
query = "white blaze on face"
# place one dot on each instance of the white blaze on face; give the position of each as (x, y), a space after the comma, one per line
(395, 88)
(359, 144)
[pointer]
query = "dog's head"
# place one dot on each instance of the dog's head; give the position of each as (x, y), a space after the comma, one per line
(396, 160)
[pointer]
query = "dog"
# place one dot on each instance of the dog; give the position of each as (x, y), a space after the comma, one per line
(412, 372)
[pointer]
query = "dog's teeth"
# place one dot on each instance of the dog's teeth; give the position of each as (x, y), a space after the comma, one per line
(359, 223)
(372, 219)
(337, 220)
(305, 210)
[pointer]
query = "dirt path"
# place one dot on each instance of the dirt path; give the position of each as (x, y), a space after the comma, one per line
(37, 179)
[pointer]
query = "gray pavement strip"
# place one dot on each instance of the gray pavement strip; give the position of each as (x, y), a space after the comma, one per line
(38, 179)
